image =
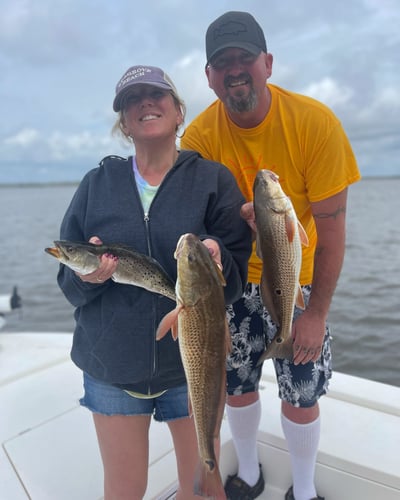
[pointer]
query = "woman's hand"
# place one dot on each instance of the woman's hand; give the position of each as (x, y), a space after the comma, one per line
(214, 250)
(107, 267)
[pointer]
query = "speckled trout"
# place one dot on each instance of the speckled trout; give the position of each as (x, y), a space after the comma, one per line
(133, 267)
(200, 322)
(279, 238)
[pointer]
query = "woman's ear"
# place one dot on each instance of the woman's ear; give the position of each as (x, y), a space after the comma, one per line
(122, 125)
(179, 117)
(125, 130)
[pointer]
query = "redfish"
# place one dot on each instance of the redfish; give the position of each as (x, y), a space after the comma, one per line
(279, 239)
(200, 322)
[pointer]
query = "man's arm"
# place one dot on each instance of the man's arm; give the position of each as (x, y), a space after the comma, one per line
(309, 328)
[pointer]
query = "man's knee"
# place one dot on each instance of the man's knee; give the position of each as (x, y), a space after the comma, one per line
(300, 415)
(243, 399)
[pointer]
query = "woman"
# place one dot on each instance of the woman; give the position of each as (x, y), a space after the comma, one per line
(146, 202)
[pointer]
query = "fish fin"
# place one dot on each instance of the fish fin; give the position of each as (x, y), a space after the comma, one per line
(208, 481)
(278, 349)
(303, 235)
(258, 246)
(290, 224)
(220, 274)
(175, 330)
(300, 298)
(169, 322)
(266, 299)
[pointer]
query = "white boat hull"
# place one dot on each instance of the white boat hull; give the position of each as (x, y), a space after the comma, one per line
(49, 449)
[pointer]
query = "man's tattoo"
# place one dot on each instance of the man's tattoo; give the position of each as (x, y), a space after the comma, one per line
(333, 214)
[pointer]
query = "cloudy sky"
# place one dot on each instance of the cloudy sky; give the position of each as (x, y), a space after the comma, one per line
(60, 61)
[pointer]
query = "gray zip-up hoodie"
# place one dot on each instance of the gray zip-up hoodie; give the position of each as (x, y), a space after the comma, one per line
(114, 338)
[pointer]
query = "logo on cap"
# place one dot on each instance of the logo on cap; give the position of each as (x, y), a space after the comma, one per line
(231, 28)
(131, 75)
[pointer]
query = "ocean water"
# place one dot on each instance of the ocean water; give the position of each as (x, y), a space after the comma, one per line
(365, 313)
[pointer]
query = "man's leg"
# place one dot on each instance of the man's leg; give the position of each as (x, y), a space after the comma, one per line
(300, 387)
(243, 404)
(244, 415)
(301, 427)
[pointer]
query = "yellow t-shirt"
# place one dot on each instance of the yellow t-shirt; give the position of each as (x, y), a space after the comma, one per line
(300, 139)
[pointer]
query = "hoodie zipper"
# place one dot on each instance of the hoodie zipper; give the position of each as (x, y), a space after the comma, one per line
(146, 220)
(146, 223)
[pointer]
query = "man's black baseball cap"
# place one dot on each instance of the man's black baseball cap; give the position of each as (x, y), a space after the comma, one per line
(235, 30)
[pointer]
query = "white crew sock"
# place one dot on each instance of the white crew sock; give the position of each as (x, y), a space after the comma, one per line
(244, 422)
(302, 441)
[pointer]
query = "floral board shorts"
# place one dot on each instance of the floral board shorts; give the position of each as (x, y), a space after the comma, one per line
(251, 328)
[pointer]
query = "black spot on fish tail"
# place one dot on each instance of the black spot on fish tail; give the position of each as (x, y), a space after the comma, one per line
(278, 348)
(211, 465)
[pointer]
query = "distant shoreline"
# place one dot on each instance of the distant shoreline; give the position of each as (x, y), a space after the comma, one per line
(39, 184)
(75, 183)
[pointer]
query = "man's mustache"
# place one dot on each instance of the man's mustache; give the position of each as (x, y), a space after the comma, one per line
(231, 80)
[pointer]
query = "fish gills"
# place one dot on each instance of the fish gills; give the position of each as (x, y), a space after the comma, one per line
(279, 239)
(204, 342)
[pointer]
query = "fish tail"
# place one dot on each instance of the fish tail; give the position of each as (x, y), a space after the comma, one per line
(208, 481)
(278, 349)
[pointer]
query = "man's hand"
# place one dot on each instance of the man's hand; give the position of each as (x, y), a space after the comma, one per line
(308, 337)
(247, 213)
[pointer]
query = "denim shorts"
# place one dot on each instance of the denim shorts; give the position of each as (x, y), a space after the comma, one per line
(108, 400)
(251, 328)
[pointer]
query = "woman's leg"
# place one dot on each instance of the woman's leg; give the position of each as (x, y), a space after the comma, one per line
(185, 443)
(124, 448)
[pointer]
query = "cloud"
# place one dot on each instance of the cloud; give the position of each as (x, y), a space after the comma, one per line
(329, 92)
(190, 78)
(60, 66)
(24, 138)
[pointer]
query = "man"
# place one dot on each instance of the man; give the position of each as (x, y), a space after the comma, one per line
(251, 126)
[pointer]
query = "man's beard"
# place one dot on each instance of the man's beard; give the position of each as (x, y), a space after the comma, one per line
(242, 104)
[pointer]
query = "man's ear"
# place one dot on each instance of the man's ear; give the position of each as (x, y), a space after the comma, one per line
(207, 71)
(269, 59)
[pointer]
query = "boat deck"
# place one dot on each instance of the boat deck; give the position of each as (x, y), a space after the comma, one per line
(49, 448)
